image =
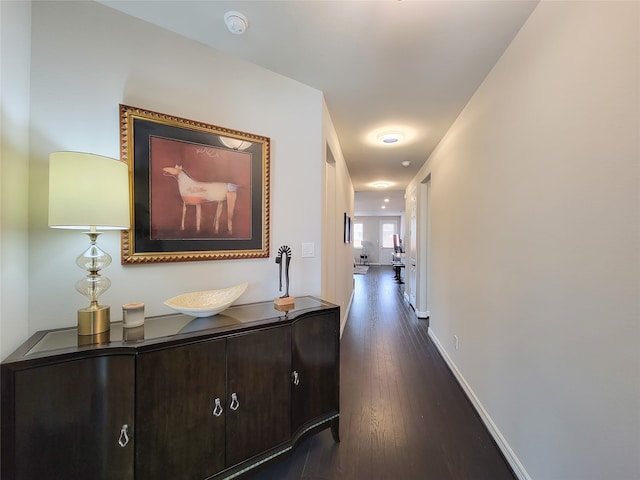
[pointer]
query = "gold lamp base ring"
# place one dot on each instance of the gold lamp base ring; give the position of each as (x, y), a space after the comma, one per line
(93, 320)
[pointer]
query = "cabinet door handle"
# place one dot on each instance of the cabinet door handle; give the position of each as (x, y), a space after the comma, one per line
(295, 378)
(234, 402)
(217, 409)
(123, 440)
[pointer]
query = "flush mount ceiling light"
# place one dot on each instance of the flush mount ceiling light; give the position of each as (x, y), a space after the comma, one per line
(381, 184)
(406, 163)
(236, 22)
(390, 138)
(391, 135)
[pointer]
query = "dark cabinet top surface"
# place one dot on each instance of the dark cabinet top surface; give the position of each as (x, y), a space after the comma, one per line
(165, 329)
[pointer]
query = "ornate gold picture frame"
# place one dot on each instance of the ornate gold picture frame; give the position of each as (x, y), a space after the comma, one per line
(198, 191)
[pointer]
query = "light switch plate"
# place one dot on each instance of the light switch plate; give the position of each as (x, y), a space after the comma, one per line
(308, 250)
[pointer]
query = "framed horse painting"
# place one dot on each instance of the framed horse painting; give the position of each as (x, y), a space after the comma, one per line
(198, 191)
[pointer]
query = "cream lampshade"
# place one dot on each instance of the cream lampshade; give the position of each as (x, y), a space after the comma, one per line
(91, 193)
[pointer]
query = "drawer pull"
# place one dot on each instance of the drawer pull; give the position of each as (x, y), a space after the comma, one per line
(123, 440)
(217, 409)
(234, 402)
(295, 378)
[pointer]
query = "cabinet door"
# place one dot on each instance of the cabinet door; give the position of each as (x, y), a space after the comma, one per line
(258, 369)
(68, 419)
(177, 434)
(316, 364)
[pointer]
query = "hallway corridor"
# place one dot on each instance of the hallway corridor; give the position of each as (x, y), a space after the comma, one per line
(403, 415)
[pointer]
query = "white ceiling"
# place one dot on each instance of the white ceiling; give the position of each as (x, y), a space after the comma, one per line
(376, 203)
(381, 64)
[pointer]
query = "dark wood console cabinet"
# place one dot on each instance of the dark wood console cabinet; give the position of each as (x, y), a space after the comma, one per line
(182, 398)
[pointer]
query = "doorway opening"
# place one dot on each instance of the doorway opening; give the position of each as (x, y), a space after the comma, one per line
(423, 280)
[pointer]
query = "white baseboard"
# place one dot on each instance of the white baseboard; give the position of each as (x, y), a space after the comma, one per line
(343, 320)
(511, 457)
(420, 314)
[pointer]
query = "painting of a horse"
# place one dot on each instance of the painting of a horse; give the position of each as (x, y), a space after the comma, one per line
(197, 193)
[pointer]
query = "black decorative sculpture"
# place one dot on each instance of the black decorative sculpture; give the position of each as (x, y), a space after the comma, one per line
(284, 256)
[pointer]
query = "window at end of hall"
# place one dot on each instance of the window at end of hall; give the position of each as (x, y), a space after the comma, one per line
(357, 235)
(388, 230)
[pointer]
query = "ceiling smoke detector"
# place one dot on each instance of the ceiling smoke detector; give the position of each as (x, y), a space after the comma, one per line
(236, 22)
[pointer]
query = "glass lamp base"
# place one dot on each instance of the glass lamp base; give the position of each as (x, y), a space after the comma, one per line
(93, 320)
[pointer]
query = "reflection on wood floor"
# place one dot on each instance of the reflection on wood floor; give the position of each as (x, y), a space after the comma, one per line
(403, 415)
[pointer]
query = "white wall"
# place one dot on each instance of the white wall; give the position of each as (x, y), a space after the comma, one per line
(535, 243)
(15, 20)
(337, 284)
(86, 59)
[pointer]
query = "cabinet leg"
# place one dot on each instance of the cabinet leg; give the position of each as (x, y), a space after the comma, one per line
(335, 429)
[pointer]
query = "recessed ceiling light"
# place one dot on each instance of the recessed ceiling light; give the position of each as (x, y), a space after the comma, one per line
(383, 206)
(406, 163)
(236, 22)
(389, 138)
(386, 200)
(381, 184)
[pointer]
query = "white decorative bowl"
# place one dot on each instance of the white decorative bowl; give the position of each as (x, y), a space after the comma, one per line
(206, 302)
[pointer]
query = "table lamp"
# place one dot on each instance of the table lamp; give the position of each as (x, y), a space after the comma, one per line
(91, 193)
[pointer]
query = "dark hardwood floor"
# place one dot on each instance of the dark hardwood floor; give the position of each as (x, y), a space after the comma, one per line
(403, 415)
